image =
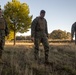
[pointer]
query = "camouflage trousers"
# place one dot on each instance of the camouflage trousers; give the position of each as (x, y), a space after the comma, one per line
(44, 41)
(2, 42)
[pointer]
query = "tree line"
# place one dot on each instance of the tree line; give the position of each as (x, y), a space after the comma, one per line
(55, 34)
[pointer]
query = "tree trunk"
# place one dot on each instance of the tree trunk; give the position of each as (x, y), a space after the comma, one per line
(14, 34)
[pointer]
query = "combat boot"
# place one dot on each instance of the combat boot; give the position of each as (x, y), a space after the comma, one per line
(46, 60)
(0, 53)
(1, 61)
(36, 56)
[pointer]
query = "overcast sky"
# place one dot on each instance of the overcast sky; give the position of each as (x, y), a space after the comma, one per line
(60, 14)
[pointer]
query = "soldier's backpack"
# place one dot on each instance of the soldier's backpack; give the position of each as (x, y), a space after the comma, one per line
(2, 23)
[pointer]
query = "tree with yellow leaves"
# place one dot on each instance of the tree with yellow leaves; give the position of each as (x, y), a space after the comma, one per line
(17, 16)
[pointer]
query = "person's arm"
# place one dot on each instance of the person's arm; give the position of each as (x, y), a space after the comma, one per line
(33, 25)
(6, 29)
(72, 31)
(46, 29)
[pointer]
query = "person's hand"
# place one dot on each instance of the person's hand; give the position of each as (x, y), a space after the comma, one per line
(32, 38)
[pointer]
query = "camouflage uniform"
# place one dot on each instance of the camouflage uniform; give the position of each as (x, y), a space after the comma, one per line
(40, 33)
(73, 31)
(3, 32)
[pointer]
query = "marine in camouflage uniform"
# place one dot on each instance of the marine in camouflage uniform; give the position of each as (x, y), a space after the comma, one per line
(3, 32)
(73, 31)
(39, 33)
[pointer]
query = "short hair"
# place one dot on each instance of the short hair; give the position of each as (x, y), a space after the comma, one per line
(42, 11)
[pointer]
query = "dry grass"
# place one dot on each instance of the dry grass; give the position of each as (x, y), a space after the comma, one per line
(19, 60)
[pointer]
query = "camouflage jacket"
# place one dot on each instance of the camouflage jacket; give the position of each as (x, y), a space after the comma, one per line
(4, 31)
(39, 25)
(73, 29)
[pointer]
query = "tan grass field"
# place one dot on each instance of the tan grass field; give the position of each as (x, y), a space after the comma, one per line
(19, 60)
